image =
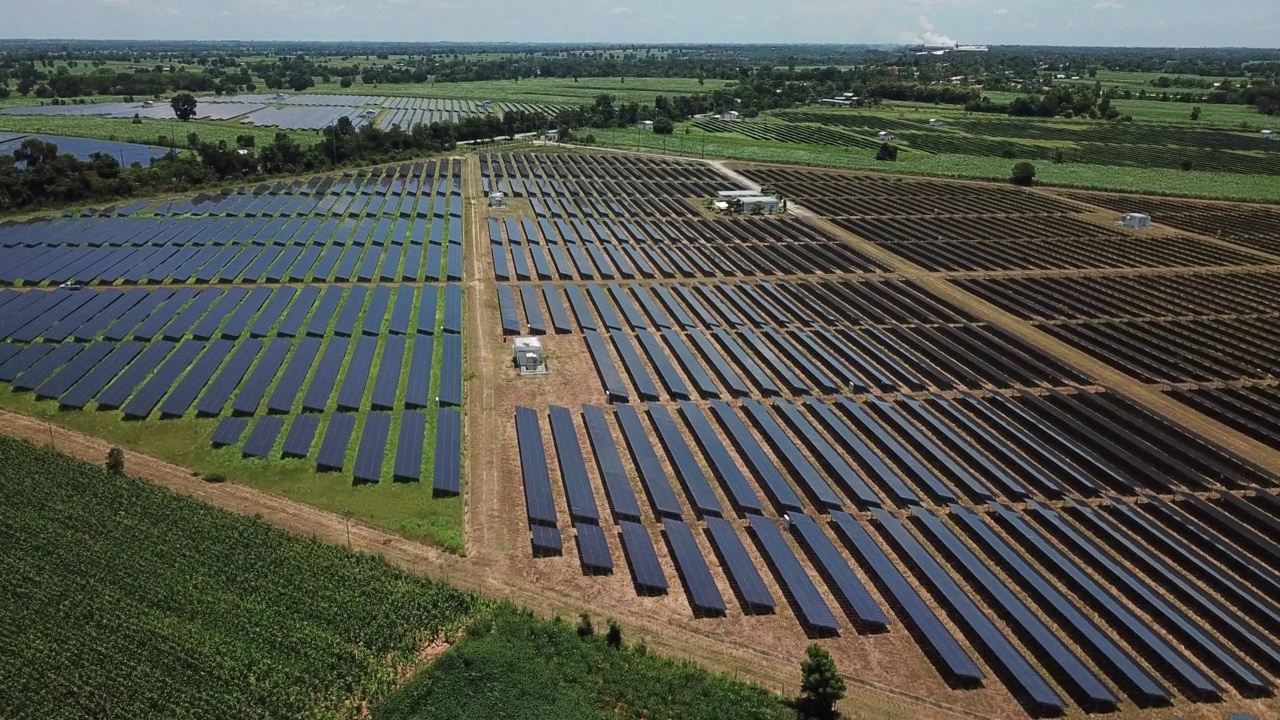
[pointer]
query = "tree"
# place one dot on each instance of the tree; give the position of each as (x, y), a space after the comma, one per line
(1024, 173)
(821, 686)
(887, 153)
(614, 637)
(245, 141)
(1186, 164)
(115, 461)
(1195, 113)
(585, 628)
(735, 205)
(663, 126)
(34, 152)
(345, 82)
(184, 106)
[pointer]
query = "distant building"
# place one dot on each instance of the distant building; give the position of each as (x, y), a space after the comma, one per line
(885, 136)
(767, 204)
(1137, 221)
(551, 135)
(935, 123)
(526, 355)
(497, 200)
(1269, 135)
(841, 100)
(644, 125)
(730, 115)
(736, 193)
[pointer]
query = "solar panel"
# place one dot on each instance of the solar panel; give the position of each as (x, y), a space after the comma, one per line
(402, 311)
(345, 323)
(692, 367)
(532, 310)
(453, 308)
(617, 487)
(559, 317)
(539, 503)
(118, 391)
(263, 436)
(388, 378)
(581, 311)
(736, 386)
(661, 496)
(46, 366)
(646, 572)
(332, 455)
(162, 315)
(376, 313)
(593, 550)
(325, 376)
(427, 309)
(721, 463)
(1024, 680)
(446, 476)
(700, 588)
(92, 382)
(297, 444)
(228, 431)
(409, 447)
(791, 457)
(372, 447)
(951, 659)
(215, 398)
(739, 567)
(573, 469)
(208, 325)
(843, 582)
(273, 311)
(507, 312)
(683, 461)
(902, 457)
(59, 382)
(645, 387)
(239, 320)
(146, 399)
(451, 371)
(615, 390)
(810, 608)
(417, 391)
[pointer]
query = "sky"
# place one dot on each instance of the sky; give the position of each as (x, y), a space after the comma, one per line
(1176, 23)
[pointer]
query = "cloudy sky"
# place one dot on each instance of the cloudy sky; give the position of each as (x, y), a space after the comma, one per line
(1181, 23)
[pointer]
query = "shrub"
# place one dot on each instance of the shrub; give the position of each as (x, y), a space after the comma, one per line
(614, 638)
(1024, 173)
(1186, 164)
(214, 477)
(115, 461)
(887, 153)
(1008, 153)
(585, 628)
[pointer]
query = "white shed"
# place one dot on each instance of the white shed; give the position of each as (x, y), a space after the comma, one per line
(935, 123)
(885, 135)
(526, 353)
(1137, 221)
(497, 200)
(1269, 135)
(730, 115)
(644, 125)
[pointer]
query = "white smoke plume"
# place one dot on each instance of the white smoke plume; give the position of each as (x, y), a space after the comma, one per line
(927, 35)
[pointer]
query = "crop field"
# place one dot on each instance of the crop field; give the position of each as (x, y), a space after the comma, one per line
(766, 430)
(316, 322)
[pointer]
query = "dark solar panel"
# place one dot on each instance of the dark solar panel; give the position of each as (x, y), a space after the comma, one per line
(215, 398)
(646, 572)
(843, 582)
(228, 431)
(325, 375)
(573, 469)
(661, 495)
(345, 324)
(60, 381)
(686, 466)
(739, 567)
(263, 436)
(272, 312)
(372, 447)
(376, 313)
(446, 476)
(790, 456)
(507, 312)
(646, 390)
(837, 469)
(453, 308)
(46, 366)
(810, 608)
(539, 504)
(593, 549)
(146, 399)
(409, 447)
(123, 385)
(418, 386)
(255, 387)
(402, 311)
(239, 320)
(332, 455)
(196, 378)
(302, 433)
(532, 310)
(721, 462)
(700, 588)
(102, 373)
(754, 457)
(451, 371)
(617, 487)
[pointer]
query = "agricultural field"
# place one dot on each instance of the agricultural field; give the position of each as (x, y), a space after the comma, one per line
(545, 91)
(812, 427)
(271, 333)
(162, 133)
(180, 611)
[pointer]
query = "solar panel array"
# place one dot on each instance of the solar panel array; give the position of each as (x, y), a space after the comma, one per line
(761, 378)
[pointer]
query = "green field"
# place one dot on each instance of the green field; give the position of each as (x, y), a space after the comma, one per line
(146, 132)
(1255, 188)
(127, 601)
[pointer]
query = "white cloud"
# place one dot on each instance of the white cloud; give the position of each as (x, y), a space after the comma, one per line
(1001, 11)
(1107, 5)
(621, 10)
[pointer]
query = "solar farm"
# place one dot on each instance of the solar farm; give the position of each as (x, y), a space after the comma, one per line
(943, 428)
(998, 454)
(125, 153)
(318, 320)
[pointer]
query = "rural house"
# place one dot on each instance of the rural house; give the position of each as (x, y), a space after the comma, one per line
(885, 135)
(644, 125)
(1269, 135)
(935, 123)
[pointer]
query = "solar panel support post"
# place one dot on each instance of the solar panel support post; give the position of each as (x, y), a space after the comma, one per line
(346, 514)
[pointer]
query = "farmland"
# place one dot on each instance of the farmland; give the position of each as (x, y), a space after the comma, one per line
(549, 91)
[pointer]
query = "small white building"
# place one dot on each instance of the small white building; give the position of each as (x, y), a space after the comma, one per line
(1137, 221)
(551, 135)
(885, 136)
(935, 123)
(497, 200)
(526, 353)
(730, 115)
(737, 193)
(1269, 135)
(645, 125)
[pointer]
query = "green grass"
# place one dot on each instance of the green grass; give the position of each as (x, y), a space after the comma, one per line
(547, 91)
(1254, 188)
(146, 132)
(516, 667)
(170, 608)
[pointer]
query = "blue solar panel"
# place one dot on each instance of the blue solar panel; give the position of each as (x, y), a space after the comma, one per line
(451, 371)
(721, 462)
(559, 316)
(573, 469)
(302, 433)
(739, 567)
(239, 320)
(532, 310)
(96, 306)
(646, 390)
(646, 572)
(661, 496)
(539, 503)
(146, 399)
(184, 322)
(683, 461)
(732, 381)
(290, 382)
(263, 436)
(418, 387)
(43, 368)
(700, 588)
(409, 447)
(215, 398)
(162, 315)
(59, 382)
(614, 388)
(92, 382)
(376, 313)
(849, 479)
(453, 308)
(356, 374)
(325, 375)
(195, 379)
(346, 321)
(446, 476)
(388, 377)
(272, 312)
(228, 431)
(903, 457)
(790, 456)
(255, 387)
(148, 301)
(1024, 681)
(428, 309)
(754, 457)
(581, 311)
(119, 390)
(402, 311)
(810, 608)
(843, 582)
(617, 487)
(593, 549)
(332, 455)
(372, 448)
(453, 262)
(951, 659)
